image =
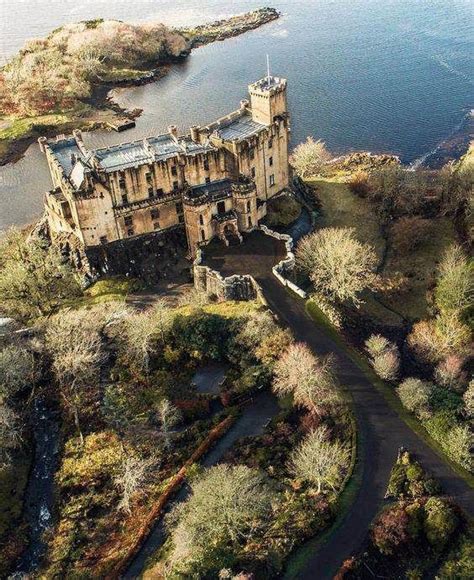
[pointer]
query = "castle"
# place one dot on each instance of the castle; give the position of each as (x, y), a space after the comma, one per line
(214, 181)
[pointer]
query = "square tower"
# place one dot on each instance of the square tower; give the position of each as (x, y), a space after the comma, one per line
(268, 99)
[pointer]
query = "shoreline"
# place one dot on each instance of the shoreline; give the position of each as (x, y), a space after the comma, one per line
(100, 109)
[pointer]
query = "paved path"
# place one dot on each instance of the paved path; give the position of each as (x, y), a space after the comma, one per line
(251, 422)
(380, 428)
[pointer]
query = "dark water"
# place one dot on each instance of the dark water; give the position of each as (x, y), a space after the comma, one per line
(39, 499)
(393, 75)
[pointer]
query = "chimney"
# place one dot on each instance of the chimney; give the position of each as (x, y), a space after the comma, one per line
(173, 131)
(244, 104)
(195, 133)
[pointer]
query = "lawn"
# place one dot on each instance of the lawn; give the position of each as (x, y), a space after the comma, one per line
(341, 208)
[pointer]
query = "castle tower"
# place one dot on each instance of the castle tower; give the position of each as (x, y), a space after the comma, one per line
(268, 99)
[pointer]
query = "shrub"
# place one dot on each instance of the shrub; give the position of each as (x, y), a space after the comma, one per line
(359, 183)
(408, 233)
(283, 211)
(17, 370)
(415, 396)
(468, 398)
(436, 339)
(440, 522)
(459, 444)
(384, 356)
(391, 530)
(449, 373)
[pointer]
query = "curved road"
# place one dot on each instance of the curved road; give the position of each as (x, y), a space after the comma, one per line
(380, 428)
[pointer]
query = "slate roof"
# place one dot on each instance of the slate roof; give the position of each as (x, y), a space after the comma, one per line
(64, 150)
(239, 129)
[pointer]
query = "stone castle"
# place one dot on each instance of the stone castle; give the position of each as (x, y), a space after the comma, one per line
(214, 181)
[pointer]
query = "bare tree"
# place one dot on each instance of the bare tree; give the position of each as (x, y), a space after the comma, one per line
(455, 284)
(143, 331)
(311, 381)
(339, 266)
(320, 461)
(168, 416)
(10, 434)
(17, 370)
(74, 342)
(309, 158)
(227, 504)
(133, 474)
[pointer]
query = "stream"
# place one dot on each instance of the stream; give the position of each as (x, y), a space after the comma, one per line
(39, 497)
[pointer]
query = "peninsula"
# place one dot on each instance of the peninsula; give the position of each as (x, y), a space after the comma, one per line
(61, 82)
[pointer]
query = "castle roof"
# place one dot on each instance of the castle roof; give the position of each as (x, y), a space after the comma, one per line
(239, 128)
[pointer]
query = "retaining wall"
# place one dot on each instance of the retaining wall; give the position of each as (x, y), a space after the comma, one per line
(245, 287)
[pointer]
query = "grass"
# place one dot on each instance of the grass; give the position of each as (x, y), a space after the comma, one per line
(419, 267)
(230, 309)
(386, 390)
(113, 289)
(341, 208)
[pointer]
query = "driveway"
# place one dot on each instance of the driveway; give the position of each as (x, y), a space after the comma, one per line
(380, 429)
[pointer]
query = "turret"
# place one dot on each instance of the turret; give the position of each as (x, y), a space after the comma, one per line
(268, 99)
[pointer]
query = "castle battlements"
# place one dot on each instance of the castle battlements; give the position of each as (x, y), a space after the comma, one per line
(229, 167)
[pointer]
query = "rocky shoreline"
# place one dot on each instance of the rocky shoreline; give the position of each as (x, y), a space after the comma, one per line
(103, 110)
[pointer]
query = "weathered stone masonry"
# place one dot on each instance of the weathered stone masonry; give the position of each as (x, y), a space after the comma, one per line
(213, 181)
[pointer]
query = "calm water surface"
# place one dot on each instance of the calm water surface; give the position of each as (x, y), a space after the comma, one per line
(393, 75)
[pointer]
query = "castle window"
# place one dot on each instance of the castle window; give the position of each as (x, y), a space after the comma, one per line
(124, 199)
(252, 153)
(159, 191)
(270, 143)
(151, 192)
(174, 171)
(122, 184)
(103, 239)
(252, 172)
(179, 207)
(156, 225)
(201, 219)
(248, 206)
(128, 220)
(206, 165)
(130, 232)
(270, 161)
(272, 180)
(149, 179)
(208, 180)
(154, 214)
(250, 222)
(181, 219)
(175, 185)
(203, 236)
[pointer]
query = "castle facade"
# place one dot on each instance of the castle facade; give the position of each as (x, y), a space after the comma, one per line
(214, 181)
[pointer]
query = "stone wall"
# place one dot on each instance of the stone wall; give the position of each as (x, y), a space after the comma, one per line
(152, 257)
(285, 266)
(231, 288)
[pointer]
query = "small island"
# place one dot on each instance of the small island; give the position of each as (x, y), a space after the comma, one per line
(61, 82)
